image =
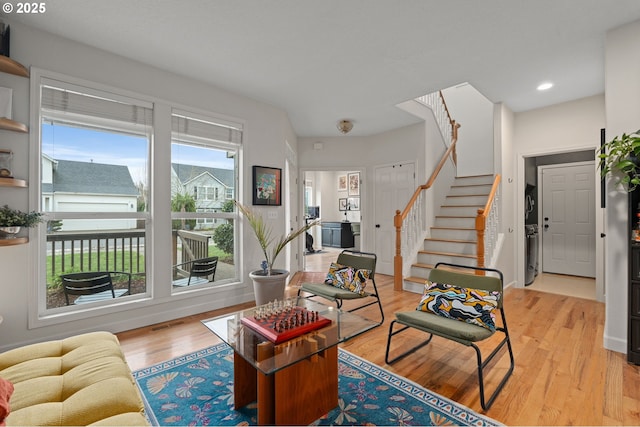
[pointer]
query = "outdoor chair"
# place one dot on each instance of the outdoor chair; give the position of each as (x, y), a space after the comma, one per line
(92, 286)
(347, 280)
(201, 271)
(457, 306)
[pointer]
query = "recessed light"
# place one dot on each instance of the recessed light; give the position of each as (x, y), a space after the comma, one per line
(545, 86)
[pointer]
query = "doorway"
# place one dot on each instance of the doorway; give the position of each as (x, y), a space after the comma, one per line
(333, 197)
(530, 194)
(568, 219)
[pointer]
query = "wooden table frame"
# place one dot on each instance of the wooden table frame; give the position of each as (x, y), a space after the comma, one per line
(296, 395)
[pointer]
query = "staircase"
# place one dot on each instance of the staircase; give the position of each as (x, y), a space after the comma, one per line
(453, 235)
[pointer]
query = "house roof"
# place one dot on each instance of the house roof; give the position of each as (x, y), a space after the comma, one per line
(322, 61)
(187, 173)
(91, 178)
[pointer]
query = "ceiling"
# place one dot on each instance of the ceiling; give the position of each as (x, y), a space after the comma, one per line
(325, 60)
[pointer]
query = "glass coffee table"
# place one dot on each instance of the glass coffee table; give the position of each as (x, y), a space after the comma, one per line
(295, 381)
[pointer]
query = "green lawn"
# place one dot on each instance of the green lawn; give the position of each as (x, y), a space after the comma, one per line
(72, 264)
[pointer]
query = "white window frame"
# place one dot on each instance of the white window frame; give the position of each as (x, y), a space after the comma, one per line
(157, 293)
(39, 315)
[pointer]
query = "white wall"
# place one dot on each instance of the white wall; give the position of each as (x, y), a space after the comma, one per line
(267, 129)
(622, 88)
(475, 114)
(504, 149)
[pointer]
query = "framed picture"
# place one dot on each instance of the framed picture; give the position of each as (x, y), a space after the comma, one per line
(342, 203)
(267, 186)
(354, 184)
(342, 183)
(353, 204)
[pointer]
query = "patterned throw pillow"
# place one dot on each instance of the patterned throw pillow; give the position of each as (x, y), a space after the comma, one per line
(473, 306)
(349, 278)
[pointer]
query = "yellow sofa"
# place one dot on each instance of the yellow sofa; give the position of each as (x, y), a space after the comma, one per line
(81, 380)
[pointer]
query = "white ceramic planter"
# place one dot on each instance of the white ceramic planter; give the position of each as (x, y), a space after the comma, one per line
(268, 288)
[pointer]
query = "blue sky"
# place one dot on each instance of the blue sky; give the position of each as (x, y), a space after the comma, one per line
(87, 145)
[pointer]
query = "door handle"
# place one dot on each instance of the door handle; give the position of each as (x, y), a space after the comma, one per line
(377, 225)
(546, 226)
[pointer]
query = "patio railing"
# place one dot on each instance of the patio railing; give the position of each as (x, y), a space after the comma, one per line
(116, 251)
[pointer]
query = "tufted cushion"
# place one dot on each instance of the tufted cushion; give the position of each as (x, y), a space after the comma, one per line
(76, 381)
(349, 278)
(473, 306)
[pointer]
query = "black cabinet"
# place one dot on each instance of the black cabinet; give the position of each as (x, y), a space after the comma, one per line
(633, 310)
(337, 234)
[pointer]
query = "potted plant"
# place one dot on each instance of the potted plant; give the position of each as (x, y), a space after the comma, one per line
(11, 220)
(621, 155)
(268, 282)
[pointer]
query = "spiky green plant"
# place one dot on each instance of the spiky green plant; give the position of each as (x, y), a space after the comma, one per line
(271, 247)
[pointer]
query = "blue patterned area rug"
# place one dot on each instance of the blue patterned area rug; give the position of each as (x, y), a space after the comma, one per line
(197, 389)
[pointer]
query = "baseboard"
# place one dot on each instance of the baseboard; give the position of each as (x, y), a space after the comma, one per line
(615, 344)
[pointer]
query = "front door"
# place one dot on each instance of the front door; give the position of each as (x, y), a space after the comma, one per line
(394, 186)
(568, 219)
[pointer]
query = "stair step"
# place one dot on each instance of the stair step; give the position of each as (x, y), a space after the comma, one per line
(447, 254)
(450, 244)
(461, 210)
(420, 280)
(431, 266)
(454, 221)
(436, 239)
(471, 185)
(466, 200)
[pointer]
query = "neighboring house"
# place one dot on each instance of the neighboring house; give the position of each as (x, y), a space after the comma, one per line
(72, 186)
(210, 187)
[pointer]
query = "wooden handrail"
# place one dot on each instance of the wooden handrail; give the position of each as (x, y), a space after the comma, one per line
(481, 221)
(399, 217)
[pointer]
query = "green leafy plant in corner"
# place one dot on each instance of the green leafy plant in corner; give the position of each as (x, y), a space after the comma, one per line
(271, 247)
(622, 155)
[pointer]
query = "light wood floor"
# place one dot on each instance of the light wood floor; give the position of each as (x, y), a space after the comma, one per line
(563, 375)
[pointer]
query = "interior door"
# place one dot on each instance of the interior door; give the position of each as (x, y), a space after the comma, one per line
(568, 219)
(394, 186)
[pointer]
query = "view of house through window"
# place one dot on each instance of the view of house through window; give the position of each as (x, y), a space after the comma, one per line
(94, 184)
(204, 162)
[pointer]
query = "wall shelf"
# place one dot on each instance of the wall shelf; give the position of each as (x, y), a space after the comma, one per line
(12, 125)
(12, 182)
(14, 241)
(8, 65)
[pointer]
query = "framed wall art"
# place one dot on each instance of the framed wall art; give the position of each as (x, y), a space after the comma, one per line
(342, 182)
(353, 204)
(342, 204)
(354, 184)
(267, 186)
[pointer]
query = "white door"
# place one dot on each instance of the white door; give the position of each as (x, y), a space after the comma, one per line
(394, 186)
(568, 219)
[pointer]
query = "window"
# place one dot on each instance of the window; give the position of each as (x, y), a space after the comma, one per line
(94, 171)
(204, 157)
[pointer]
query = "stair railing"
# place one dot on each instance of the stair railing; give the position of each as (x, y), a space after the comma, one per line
(487, 221)
(411, 222)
